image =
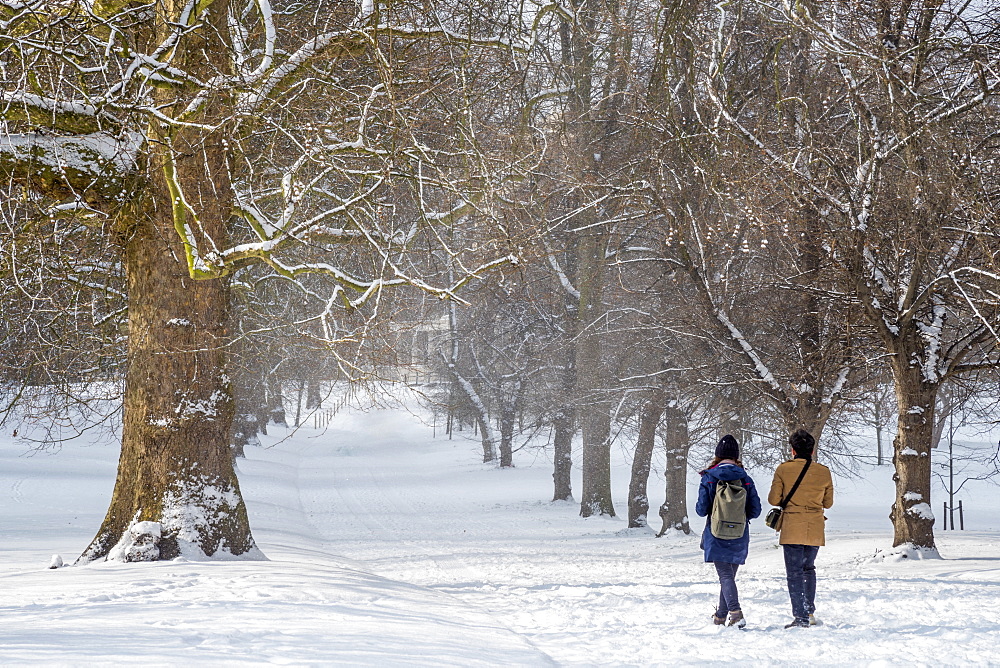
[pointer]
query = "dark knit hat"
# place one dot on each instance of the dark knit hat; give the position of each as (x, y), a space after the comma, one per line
(727, 448)
(802, 442)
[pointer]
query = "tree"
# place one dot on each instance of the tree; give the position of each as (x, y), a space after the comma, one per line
(895, 133)
(61, 359)
(172, 117)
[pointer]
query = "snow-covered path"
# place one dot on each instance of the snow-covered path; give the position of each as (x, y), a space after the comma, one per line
(390, 547)
(590, 592)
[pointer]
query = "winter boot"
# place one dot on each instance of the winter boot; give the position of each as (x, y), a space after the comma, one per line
(813, 621)
(798, 624)
(736, 619)
(718, 621)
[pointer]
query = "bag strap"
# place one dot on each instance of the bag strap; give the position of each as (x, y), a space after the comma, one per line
(788, 497)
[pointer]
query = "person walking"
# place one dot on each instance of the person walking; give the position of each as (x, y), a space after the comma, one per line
(727, 554)
(802, 527)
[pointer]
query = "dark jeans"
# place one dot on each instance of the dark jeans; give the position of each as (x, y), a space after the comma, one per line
(729, 598)
(800, 568)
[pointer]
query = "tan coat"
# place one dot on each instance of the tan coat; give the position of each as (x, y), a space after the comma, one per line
(802, 522)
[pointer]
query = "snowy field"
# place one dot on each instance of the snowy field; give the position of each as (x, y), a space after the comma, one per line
(390, 547)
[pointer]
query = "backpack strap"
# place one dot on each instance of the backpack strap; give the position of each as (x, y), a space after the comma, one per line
(802, 474)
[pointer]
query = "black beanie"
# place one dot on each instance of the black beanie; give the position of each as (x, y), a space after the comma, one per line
(727, 448)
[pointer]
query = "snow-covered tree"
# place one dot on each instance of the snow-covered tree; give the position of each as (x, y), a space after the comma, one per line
(894, 149)
(207, 135)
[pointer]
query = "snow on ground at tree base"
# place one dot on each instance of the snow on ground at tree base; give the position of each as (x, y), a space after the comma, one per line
(388, 546)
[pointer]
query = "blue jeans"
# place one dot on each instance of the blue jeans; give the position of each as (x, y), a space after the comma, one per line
(729, 598)
(800, 569)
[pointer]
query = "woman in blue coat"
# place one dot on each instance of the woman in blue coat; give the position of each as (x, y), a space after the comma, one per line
(727, 555)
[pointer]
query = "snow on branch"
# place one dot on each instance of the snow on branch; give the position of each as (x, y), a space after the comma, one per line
(67, 115)
(762, 371)
(564, 281)
(264, 81)
(87, 166)
(968, 299)
(838, 385)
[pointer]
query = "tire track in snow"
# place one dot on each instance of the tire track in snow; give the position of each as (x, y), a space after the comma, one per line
(385, 522)
(16, 494)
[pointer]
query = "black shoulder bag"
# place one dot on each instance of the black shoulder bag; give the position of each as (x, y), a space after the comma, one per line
(773, 518)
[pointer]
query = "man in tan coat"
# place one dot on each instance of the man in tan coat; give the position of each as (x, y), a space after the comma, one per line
(802, 523)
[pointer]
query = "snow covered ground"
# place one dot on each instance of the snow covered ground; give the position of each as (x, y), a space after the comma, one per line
(388, 546)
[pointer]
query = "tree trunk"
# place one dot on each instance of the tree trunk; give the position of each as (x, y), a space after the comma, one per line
(275, 402)
(508, 415)
(565, 423)
(730, 420)
(562, 447)
(638, 498)
(298, 403)
(674, 511)
(314, 397)
(878, 431)
(596, 489)
(176, 493)
(911, 515)
(592, 385)
(489, 438)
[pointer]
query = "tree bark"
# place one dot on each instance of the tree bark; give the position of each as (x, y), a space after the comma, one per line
(638, 498)
(508, 415)
(314, 396)
(565, 422)
(911, 514)
(176, 493)
(592, 385)
(674, 512)
(562, 447)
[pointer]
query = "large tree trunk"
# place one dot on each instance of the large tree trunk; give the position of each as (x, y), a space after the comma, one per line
(596, 488)
(638, 498)
(912, 516)
(176, 493)
(674, 512)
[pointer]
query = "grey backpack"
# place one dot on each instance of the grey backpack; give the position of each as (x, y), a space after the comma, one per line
(729, 510)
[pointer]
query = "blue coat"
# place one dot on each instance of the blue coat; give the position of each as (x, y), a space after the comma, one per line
(725, 551)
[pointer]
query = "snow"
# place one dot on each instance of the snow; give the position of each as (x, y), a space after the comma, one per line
(138, 543)
(762, 370)
(94, 154)
(187, 509)
(48, 104)
(387, 546)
